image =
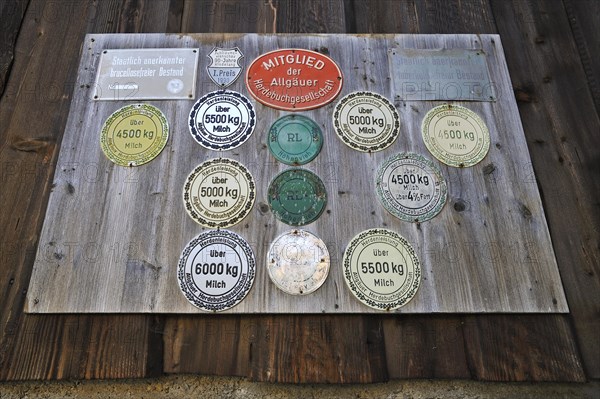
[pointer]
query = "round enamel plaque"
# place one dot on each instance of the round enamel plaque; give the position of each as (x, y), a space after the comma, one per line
(219, 193)
(298, 262)
(366, 121)
(134, 135)
(216, 270)
(295, 139)
(297, 197)
(381, 269)
(455, 135)
(222, 120)
(411, 187)
(294, 79)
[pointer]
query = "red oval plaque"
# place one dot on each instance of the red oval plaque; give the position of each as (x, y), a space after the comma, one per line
(294, 79)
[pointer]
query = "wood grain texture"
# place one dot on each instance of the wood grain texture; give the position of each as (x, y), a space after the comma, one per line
(229, 16)
(218, 345)
(309, 349)
(561, 126)
(517, 348)
(482, 347)
(34, 358)
(11, 15)
(426, 346)
(490, 254)
(41, 83)
(310, 16)
(420, 16)
(440, 338)
(184, 351)
(583, 19)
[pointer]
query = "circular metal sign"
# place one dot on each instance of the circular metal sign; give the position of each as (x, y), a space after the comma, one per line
(366, 121)
(411, 187)
(294, 79)
(134, 135)
(222, 120)
(455, 135)
(298, 262)
(297, 197)
(381, 269)
(295, 139)
(216, 270)
(219, 193)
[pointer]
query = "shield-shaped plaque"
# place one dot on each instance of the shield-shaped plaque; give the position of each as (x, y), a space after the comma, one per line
(224, 66)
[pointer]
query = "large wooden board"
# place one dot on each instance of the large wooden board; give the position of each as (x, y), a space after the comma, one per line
(112, 235)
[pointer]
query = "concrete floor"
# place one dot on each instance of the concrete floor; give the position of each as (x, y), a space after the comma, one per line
(184, 386)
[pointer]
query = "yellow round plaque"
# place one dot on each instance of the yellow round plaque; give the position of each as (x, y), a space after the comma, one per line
(134, 135)
(455, 135)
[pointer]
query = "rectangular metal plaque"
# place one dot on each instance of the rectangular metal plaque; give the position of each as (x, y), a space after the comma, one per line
(147, 74)
(446, 74)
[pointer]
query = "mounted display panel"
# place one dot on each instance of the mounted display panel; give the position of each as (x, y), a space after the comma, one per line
(294, 174)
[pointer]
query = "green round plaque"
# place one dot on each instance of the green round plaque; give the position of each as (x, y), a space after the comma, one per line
(295, 139)
(297, 197)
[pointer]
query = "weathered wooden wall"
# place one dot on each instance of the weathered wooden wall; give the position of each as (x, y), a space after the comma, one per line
(545, 44)
(488, 251)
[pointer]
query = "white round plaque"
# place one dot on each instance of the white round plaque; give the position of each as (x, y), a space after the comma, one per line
(366, 121)
(298, 262)
(219, 193)
(222, 120)
(216, 270)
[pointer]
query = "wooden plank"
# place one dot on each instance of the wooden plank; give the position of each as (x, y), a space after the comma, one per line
(521, 348)
(449, 359)
(175, 16)
(11, 13)
(422, 16)
(310, 16)
(562, 136)
(482, 347)
(583, 18)
(334, 349)
(90, 347)
(418, 346)
(294, 349)
(431, 346)
(190, 340)
(218, 345)
(230, 16)
(184, 352)
(58, 346)
(491, 254)
(245, 318)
